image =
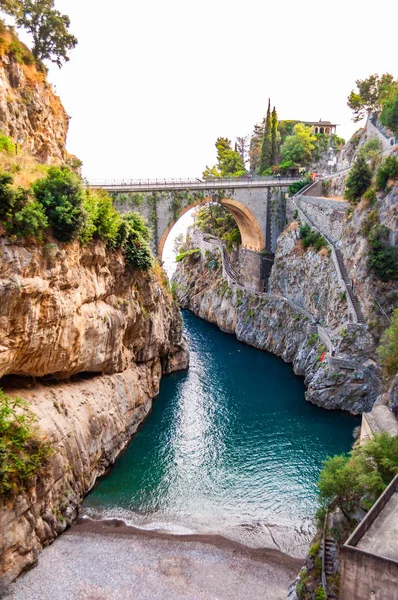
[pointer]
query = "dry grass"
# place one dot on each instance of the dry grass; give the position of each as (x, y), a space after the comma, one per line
(23, 166)
(293, 226)
(323, 252)
(162, 278)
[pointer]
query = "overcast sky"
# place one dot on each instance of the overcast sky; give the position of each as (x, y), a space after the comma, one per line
(152, 84)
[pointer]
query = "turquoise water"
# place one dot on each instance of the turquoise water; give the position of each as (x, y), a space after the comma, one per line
(231, 447)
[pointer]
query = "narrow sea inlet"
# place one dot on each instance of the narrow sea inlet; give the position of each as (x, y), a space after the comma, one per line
(230, 448)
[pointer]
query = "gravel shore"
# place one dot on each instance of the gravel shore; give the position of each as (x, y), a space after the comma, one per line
(107, 560)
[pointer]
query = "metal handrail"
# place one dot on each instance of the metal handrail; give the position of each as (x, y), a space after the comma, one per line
(162, 184)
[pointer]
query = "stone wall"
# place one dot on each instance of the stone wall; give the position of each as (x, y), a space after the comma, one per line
(327, 215)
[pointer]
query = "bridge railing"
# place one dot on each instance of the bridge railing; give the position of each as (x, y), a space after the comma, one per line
(196, 183)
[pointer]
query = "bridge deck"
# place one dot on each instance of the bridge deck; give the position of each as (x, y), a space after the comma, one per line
(149, 185)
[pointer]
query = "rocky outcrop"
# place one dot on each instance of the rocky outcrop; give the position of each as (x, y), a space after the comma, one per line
(378, 298)
(80, 314)
(30, 112)
(303, 288)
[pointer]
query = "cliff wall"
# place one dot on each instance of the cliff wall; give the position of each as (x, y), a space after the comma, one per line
(304, 288)
(30, 112)
(98, 336)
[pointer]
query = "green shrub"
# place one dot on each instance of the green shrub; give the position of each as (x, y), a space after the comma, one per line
(388, 170)
(369, 222)
(358, 180)
(296, 186)
(6, 144)
(389, 114)
(382, 258)
(320, 593)
(7, 195)
(370, 196)
(312, 238)
(388, 348)
(102, 219)
(61, 194)
(30, 221)
(23, 452)
(133, 237)
(194, 253)
(366, 470)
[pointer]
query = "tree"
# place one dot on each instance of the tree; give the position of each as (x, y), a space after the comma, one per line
(372, 93)
(358, 180)
(359, 477)
(266, 152)
(389, 113)
(255, 146)
(299, 147)
(229, 162)
(242, 147)
(48, 27)
(274, 136)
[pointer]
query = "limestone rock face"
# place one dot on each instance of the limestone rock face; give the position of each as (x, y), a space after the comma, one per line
(270, 322)
(66, 310)
(293, 267)
(378, 298)
(80, 313)
(31, 112)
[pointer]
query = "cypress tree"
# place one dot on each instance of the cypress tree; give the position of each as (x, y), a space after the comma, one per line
(274, 136)
(265, 157)
(358, 180)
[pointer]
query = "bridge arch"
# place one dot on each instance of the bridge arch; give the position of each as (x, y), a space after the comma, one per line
(250, 230)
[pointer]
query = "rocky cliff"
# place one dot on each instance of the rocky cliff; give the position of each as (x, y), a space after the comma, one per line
(303, 288)
(30, 112)
(96, 337)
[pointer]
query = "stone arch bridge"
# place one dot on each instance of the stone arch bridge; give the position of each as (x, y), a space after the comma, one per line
(257, 205)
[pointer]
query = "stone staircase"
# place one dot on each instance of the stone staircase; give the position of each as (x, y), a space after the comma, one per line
(329, 568)
(347, 281)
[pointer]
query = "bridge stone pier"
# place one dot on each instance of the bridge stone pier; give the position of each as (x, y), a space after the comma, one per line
(257, 205)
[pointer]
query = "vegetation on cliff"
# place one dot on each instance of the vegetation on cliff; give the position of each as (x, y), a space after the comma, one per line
(388, 349)
(357, 479)
(23, 450)
(59, 205)
(274, 147)
(48, 28)
(376, 94)
(216, 220)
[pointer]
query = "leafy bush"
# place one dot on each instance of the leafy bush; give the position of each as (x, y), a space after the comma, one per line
(382, 258)
(102, 219)
(61, 195)
(388, 170)
(388, 348)
(31, 221)
(310, 237)
(296, 186)
(23, 452)
(368, 223)
(389, 114)
(6, 144)
(194, 253)
(216, 220)
(133, 237)
(366, 470)
(7, 195)
(358, 180)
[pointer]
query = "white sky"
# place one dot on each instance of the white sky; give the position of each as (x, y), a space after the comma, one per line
(152, 84)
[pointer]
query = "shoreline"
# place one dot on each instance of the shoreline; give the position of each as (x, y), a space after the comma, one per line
(117, 527)
(109, 560)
